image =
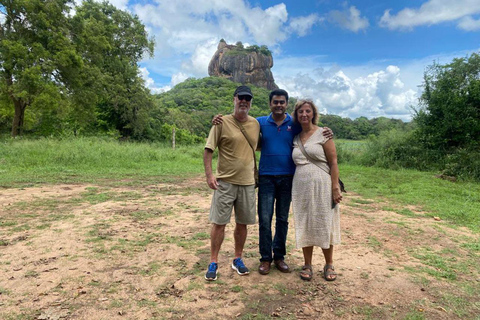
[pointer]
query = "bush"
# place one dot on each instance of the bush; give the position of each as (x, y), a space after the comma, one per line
(349, 151)
(464, 163)
(396, 149)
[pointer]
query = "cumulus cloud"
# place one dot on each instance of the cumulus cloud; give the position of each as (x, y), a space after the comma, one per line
(469, 24)
(266, 26)
(380, 93)
(349, 19)
(197, 64)
(302, 25)
(150, 83)
(432, 12)
(178, 78)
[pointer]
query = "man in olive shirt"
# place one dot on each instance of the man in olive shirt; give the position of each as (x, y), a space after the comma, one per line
(234, 183)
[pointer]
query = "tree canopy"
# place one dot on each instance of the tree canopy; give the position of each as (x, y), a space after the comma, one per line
(450, 114)
(73, 72)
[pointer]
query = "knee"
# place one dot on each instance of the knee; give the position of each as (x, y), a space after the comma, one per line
(218, 227)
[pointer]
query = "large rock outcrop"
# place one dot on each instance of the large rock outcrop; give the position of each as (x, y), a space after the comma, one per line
(249, 65)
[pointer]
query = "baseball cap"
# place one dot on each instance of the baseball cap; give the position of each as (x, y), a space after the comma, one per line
(243, 91)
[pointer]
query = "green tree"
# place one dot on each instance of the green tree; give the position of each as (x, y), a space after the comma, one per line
(114, 42)
(449, 117)
(78, 69)
(35, 50)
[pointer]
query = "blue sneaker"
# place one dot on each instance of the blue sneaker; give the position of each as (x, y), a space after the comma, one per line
(211, 274)
(238, 265)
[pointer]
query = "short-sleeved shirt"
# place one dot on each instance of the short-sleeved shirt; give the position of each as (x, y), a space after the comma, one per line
(235, 156)
(277, 146)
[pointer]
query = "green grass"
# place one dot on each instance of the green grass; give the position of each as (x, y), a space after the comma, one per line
(458, 203)
(441, 264)
(27, 162)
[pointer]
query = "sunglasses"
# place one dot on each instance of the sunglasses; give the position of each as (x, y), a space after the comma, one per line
(245, 97)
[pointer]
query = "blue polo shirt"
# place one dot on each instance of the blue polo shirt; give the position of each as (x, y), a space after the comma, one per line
(277, 146)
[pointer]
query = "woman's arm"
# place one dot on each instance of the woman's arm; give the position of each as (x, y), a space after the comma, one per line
(331, 154)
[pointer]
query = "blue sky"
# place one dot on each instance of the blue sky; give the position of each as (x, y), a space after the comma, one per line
(353, 58)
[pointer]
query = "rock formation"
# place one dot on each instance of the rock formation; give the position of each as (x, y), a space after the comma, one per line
(249, 65)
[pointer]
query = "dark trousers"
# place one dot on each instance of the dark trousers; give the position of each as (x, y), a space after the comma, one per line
(273, 191)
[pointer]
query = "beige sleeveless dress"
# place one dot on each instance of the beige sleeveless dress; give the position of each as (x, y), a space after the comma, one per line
(316, 223)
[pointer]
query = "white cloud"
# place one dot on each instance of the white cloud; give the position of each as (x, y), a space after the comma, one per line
(178, 78)
(302, 25)
(349, 19)
(150, 84)
(430, 13)
(265, 26)
(469, 24)
(379, 93)
(197, 65)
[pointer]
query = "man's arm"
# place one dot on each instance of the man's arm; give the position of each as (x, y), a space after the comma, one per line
(207, 163)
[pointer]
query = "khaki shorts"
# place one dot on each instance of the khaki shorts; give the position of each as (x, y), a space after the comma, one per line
(229, 196)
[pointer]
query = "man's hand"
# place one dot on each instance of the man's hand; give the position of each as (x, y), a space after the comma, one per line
(217, 119)
(207, 162)
(327, 133)
(212, 182)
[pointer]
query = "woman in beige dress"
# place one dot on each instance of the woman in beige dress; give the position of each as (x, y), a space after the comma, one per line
(315, 192)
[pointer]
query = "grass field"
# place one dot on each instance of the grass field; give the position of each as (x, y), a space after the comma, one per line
(31, 162)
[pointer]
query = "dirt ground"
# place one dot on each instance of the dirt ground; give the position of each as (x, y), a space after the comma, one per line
(125, 251)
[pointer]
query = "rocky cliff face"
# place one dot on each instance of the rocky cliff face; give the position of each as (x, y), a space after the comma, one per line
(249, 65)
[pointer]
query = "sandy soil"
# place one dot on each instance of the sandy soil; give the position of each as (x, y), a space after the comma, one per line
(131, 252)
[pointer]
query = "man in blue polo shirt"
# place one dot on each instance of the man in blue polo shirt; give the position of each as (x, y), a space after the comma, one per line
(275, 180)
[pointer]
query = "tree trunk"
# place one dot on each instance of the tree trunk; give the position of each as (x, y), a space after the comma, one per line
(17, 125)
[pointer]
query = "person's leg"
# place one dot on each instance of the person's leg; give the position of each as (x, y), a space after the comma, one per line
(220, 213)
(266, 193)
(283, 197)
(240, 236)
(328, 255)
(245, 214)
(217, 234)
(329, 271)
(307, 272)
(307, 255)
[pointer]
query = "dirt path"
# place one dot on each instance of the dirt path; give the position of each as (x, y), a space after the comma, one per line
(104, 252)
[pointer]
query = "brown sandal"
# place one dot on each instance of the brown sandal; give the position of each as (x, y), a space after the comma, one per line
(328, 272)
(306, 273)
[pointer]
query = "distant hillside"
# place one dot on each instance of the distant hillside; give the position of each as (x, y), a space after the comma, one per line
(192, 103)
(190, 106)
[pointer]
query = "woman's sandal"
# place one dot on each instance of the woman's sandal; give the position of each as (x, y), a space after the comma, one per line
(306, 273)
(328, 272)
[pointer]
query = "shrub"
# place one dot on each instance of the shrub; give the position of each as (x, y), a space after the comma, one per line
(400, 149)
(464, 163)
